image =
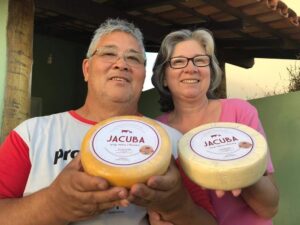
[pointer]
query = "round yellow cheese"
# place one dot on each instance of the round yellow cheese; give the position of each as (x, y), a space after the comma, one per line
(223, 156)
(126, 150)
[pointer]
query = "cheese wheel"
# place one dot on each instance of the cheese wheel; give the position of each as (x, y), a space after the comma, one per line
(223, 156)
(126, 150)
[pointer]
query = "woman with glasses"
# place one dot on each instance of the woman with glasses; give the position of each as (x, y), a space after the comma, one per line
(185, 74)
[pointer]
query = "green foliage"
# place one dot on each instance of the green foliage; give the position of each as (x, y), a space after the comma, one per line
(293, 81)
(294, 77)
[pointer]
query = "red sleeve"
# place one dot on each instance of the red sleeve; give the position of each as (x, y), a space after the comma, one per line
(199, 195)
(14, 166)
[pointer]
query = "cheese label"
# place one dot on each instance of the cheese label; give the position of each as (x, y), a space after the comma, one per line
(222, 143)
(125, 143)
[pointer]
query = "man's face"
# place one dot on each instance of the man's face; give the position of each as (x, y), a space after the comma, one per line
(116, 71)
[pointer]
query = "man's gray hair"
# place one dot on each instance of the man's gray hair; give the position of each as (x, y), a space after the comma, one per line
(111, 25)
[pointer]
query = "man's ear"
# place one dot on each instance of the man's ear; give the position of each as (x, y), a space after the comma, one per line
(85, 69)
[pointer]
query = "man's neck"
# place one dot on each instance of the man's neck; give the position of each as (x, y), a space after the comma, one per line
(98, 113)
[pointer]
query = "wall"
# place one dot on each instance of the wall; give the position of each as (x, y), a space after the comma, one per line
(148, 104)
(3, 50)
(57, 80)
(280, 116)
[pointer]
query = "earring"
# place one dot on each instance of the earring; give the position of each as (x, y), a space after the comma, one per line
(165, 83)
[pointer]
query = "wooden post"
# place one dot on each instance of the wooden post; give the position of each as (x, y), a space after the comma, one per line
(19, 64)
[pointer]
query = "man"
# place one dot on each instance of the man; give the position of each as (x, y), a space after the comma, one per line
(43, 183)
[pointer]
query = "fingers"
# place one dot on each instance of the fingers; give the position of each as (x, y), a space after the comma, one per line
(76, 205)
(108, 205)
(110, 198)
(77, 195)
(160, 192)
(124, 203)
(220, 193)
(154, 216)
(90, 207)
(109, 195)
(75, 163)
(235, 193)
(85, 182)
(98, 202)
(155, 219)
(167, 181)
(80, 180)
(142, 195)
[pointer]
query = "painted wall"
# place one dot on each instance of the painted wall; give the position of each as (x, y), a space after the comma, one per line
(280, 116)
(3, 49)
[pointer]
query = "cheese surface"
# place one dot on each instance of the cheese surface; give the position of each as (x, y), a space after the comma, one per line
(223, 156)
(126, 150)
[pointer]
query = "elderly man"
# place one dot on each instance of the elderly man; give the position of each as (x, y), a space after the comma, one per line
(41, 178)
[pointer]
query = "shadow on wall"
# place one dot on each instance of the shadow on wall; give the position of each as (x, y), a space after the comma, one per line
(280, 116)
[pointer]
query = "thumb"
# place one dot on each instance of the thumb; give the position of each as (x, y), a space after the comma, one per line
(154, 215)
(75, 163)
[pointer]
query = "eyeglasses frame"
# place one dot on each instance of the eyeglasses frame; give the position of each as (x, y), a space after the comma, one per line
(98, 49)
(188, 60)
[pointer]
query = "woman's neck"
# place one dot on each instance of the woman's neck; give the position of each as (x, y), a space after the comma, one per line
(187, 116)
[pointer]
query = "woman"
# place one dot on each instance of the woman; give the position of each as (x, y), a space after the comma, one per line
(186, 73)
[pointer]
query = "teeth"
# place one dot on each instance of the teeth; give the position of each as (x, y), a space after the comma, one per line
(190, 81)
(118, 79)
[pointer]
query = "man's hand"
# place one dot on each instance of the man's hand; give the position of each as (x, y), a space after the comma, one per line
(155, 219)
(75, 195)
(160, 193)
(167, 200)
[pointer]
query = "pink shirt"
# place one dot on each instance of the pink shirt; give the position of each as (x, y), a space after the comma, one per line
(232, 210)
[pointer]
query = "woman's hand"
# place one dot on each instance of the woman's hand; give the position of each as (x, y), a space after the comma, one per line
(235, 193)
(262, 196)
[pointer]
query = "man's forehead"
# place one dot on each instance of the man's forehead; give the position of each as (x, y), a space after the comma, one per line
(116, 48)
(116, 40)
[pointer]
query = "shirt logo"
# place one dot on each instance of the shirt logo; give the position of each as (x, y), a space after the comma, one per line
(64, 155)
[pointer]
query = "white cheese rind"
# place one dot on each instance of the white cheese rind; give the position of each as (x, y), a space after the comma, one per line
(223, 166)
(96, 160)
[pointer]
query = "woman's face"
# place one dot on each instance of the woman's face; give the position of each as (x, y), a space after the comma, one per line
(191, 82)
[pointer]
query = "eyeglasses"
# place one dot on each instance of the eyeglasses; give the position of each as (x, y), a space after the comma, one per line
(111, 55)
(181, 61)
